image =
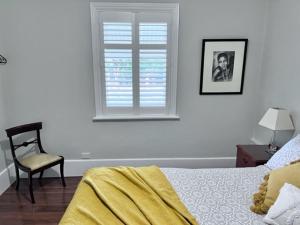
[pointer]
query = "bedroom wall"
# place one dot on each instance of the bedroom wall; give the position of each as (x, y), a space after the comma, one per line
(2, 112)
(50, 79)
(2, 123)
(280, 74)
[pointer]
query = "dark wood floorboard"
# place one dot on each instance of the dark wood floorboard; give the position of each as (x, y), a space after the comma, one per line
(51, 199)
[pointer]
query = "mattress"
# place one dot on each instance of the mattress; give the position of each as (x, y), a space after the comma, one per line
(218, 196)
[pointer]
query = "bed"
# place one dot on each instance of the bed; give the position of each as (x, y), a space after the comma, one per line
(209, 196)
(218, 196)
(212, 196)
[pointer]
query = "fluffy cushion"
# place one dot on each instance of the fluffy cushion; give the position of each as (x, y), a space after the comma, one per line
(286, 209)
(288, 153)
(269, 189)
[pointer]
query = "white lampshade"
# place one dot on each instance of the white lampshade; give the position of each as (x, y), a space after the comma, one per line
(277, 119)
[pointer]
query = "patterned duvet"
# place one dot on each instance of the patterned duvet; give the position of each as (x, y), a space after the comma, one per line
(218, 196)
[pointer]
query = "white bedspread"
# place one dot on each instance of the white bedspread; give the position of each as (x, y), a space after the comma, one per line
(218, 196)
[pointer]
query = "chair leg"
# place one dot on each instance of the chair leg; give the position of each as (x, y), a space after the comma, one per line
(41, 174)
(30, 188)
(62, 173)
(40, 177)
(17, 178)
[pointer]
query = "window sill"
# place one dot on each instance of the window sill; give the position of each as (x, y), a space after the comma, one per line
(135, 117)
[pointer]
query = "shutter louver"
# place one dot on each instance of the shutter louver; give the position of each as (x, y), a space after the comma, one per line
(153, 68)
(153, 33)
(118, 77)
(117, 33)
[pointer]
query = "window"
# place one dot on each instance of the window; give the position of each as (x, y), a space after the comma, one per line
(135, 49)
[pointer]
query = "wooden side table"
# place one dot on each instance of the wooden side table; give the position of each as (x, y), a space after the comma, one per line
(252, 155)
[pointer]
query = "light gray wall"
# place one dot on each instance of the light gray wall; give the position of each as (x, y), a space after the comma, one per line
(50, 78)
(280, 74)
(2, 123)
(2, 114)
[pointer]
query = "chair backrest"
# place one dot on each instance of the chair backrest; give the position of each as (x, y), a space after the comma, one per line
(23, 129)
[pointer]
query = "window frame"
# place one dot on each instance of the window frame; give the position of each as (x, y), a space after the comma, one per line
(172, 48)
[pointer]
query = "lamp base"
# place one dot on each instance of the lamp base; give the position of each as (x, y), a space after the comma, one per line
(272, 149)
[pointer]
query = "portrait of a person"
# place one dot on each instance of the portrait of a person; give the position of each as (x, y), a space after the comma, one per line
(223, 66)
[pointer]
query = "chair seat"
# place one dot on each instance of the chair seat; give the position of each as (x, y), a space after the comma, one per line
(37, 161)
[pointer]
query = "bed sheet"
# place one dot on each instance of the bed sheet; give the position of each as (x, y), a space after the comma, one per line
(218, 196)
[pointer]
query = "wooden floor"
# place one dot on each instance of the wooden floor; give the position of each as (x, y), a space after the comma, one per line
(51, 201)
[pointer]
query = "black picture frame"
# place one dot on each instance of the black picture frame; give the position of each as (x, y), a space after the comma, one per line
(233, 82)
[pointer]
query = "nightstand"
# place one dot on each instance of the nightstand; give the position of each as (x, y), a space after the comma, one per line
(252, 155)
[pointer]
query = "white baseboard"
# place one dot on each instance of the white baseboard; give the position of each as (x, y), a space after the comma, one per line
(7, 177)
(76, 167)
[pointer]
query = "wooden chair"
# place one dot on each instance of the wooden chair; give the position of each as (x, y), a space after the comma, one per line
(34, 163)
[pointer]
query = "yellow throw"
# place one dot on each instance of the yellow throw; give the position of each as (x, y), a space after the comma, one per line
(126, 195)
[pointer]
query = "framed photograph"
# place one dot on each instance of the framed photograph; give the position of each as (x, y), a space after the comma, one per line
(223, 66)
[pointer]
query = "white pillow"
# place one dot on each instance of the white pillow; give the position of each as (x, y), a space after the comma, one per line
(287, 154)
(286, 209)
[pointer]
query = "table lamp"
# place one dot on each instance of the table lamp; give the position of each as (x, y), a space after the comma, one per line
(276, 119)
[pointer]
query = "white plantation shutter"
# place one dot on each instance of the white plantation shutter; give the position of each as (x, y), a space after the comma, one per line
(153, 33)
(118, 77)
(116, 58)
(153, 64)
(135, 58)
(117, 33)
(153, 78)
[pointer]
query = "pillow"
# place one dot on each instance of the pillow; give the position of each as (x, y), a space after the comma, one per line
(288, 153)
(286, 209)
(269, 189)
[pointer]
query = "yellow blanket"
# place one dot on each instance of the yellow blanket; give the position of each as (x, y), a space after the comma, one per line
(126, 195)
